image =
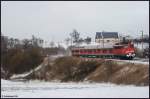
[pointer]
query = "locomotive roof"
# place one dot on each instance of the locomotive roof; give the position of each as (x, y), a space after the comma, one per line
(106, 35)
(99, 46)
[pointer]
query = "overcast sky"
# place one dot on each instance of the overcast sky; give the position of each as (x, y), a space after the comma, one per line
(54, 20)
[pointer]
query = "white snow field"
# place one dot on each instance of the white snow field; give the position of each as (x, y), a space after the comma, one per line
(41, 89)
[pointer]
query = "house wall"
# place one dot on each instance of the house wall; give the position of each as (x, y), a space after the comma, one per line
(107, 40)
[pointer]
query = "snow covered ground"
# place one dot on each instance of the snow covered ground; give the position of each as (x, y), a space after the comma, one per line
(135, 61)
(39, 89)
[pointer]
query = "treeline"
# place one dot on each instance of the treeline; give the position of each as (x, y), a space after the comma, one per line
(145, 39)
(19, 56)
(74, 37)
(145, 52)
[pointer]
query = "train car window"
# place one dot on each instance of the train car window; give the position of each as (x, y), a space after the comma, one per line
(110, 51)
(87, 51)
(84, 51)
(104, 51)
(99, 50)
(76, 50)
(90, 51)
(94, 50)
(107, 51)
(80, 51)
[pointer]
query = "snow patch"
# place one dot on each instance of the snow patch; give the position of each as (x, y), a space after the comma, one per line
(15, 76)
(41, 89)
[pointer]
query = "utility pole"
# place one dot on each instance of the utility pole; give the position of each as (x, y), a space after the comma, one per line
(142, 40)
(102, 38)
(71, 38)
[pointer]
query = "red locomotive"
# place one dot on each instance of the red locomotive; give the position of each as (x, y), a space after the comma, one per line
(119, 51)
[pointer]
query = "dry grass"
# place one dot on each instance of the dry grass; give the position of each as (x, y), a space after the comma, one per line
(132, 74)
(74, 69)
(121, 74)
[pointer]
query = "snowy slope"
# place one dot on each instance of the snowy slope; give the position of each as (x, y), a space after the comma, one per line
(18, 76)
(135, 61)
(39, 89)
(15, 76)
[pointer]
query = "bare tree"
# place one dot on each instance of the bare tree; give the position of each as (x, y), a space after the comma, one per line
(52, 44)
(75, 35)
(26, 43)
(67, 40)
(4, 42)
(11, 43)
(87, 40)
(37, 42)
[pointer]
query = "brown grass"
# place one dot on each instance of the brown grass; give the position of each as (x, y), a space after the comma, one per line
(121, 74)
(74, 69)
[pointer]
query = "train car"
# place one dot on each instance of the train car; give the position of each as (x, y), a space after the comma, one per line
(117, 51)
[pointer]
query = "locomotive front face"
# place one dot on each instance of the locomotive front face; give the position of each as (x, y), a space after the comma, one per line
(130, 53)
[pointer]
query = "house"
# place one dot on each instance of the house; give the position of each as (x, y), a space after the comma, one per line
(107, 37)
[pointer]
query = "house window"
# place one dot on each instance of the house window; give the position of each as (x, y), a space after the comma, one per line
(108, 40)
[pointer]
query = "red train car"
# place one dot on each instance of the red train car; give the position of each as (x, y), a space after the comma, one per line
(121, 51)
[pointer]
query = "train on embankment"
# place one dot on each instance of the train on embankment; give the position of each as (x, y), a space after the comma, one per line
(116, 51)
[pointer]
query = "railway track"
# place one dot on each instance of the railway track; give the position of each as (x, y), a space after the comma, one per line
(135, 61)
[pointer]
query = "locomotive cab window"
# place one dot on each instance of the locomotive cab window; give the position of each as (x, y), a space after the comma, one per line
(118, 47)
(132, 45)
(125, 46)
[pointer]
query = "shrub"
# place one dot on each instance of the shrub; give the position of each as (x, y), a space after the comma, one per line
(19, 61)
(84, 68)
(65, 65)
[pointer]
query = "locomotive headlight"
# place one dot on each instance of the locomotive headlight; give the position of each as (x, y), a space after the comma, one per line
(133, 55)
(129, 54)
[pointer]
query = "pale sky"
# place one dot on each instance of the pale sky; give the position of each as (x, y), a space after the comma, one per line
(54, 20)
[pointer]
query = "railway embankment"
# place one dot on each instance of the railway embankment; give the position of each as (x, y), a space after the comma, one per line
(66, 69)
